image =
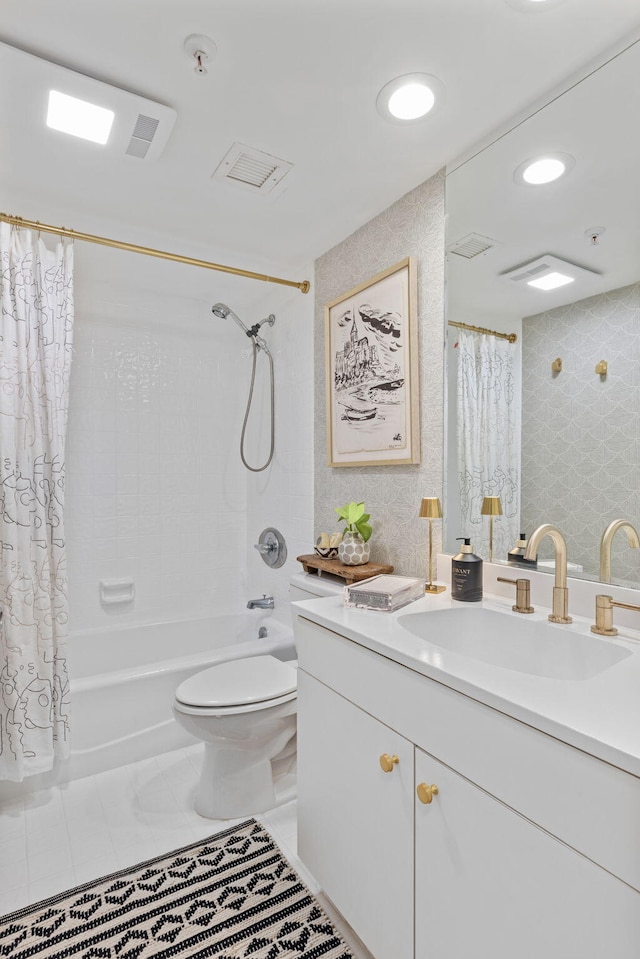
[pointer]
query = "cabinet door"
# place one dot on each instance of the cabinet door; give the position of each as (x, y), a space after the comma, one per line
(355, 822)
(489, 883)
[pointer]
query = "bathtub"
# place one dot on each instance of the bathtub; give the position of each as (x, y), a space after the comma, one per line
(123, 682)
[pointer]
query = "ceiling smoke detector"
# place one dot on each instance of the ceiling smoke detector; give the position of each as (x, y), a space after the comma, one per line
(252, 169)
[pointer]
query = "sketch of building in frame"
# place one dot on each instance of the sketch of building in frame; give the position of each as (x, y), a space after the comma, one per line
(371, 344)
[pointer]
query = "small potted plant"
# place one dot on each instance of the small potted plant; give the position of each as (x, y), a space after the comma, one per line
(354, 548)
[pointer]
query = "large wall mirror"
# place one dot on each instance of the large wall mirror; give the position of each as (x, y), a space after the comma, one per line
(551, 422)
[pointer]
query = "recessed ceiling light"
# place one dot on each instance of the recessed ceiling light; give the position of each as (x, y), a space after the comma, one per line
(544, 169)
(79, 117)
(551, 281)
(410, 97)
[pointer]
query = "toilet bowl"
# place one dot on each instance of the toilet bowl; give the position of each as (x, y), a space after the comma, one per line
(244, 711)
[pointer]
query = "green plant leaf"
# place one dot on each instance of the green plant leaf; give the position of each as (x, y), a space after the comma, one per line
(356, 519)
(364, 529)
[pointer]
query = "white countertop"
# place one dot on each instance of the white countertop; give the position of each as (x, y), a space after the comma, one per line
(599, 715)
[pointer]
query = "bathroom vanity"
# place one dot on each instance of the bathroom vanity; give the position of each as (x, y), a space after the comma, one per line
(471, 791)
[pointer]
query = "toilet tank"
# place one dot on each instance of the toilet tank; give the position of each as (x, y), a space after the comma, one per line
(311, 586)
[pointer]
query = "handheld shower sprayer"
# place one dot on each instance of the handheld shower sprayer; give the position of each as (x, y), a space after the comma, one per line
(222, 311)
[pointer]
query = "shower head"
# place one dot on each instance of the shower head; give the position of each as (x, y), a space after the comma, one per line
(222, 311)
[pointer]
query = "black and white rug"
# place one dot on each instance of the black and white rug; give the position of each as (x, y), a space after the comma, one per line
(233, 896)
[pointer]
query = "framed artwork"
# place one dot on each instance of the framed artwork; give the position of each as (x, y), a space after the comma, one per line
(371, 343)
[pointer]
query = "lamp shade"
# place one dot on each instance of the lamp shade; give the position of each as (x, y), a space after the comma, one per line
(491, 506)
(430, 508)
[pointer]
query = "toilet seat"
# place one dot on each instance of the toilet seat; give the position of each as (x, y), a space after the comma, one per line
(239, 685)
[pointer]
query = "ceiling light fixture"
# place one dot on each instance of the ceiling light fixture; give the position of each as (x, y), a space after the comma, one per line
(544, 169)
(551, 281)
(551, 272)
(410, 97)
(80, 118)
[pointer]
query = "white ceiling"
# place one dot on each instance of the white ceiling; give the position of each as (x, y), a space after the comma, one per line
(295, 78)
(593, 122)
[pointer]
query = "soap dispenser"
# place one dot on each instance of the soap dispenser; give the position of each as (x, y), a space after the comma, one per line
(516, 555)
(466, 574)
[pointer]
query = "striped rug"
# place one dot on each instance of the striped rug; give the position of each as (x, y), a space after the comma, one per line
(233, 896)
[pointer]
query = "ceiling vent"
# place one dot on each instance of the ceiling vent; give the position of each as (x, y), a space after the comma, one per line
(474, 244)
(252, 169)
(535, 271)
(142, 137)
(140, 127)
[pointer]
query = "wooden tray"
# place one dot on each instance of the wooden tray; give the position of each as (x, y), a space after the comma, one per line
(313, 563)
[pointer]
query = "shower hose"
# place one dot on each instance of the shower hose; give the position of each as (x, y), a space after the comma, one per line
(258, 469)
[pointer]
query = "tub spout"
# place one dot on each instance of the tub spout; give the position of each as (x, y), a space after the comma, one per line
(265, 603)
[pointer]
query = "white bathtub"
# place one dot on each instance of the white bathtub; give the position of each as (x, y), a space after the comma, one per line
(123, 682)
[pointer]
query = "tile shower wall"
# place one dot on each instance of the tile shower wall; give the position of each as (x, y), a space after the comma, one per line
(282, 496)
(413, 226)
(155, 491)
(580, 432)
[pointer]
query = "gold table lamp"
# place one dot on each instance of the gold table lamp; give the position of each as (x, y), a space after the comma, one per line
(491, 506)
(431, 509)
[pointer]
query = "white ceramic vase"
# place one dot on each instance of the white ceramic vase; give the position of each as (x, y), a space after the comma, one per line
(353, 551)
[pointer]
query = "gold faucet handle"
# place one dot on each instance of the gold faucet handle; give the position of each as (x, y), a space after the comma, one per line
(523, 594)
(604, 615)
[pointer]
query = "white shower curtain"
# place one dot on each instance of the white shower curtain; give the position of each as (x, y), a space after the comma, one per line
(36, 330)
(488, 440)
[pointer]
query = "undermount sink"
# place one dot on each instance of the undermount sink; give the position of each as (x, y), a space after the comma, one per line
(515, 642)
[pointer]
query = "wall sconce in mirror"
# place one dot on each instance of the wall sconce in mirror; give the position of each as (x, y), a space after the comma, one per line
(491, 506)
(431, 509)
(601, 368)
(556, 366)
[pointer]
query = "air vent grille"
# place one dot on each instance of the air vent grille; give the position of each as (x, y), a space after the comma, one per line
(143, 133)
(252, 169)
(248, 170)
(528, 274)
(474, 244)
(145, 128)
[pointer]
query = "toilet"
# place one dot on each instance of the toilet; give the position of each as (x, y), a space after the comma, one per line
(244, 711)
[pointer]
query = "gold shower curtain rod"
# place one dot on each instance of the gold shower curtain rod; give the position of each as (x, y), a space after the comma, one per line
(303, 286)
(512, 337)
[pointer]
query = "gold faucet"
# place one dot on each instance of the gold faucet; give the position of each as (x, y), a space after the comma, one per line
(560, 604)
(606, 541)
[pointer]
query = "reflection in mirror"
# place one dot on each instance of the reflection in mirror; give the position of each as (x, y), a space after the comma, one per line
(550, 422)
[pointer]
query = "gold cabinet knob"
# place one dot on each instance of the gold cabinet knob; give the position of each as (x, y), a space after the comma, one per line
(387, 762)
(426, 793)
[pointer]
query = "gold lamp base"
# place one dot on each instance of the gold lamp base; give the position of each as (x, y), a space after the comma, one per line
(433, 588)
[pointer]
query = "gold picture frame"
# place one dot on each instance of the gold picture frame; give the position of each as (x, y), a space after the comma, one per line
(371, 363)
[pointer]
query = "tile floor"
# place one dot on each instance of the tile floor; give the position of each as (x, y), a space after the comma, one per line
(58, 838)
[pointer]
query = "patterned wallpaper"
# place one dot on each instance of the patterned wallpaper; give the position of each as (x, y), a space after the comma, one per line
(413, 226)
(581, 432)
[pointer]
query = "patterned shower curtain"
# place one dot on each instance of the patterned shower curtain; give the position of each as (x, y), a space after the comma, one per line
(488, 440)
(36, 330)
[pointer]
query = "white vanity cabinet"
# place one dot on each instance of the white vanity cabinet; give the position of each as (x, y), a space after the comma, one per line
(471, 873)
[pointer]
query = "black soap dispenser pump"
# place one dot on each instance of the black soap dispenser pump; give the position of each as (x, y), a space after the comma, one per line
(516, 555)
(466, 574)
